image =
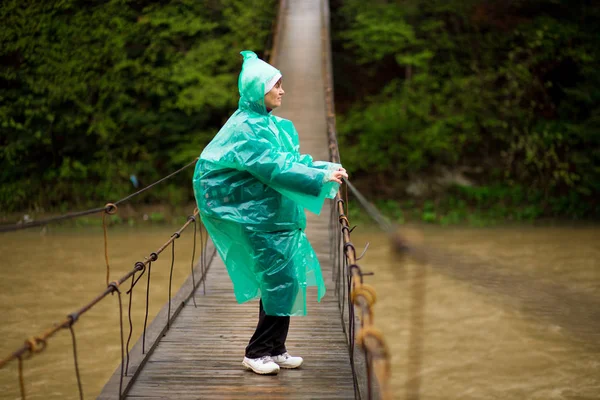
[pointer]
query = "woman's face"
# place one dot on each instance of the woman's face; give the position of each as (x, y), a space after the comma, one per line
(273, 98)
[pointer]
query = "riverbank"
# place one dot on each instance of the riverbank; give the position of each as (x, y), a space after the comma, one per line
(453, 212)
(127, 214)
(457, 212)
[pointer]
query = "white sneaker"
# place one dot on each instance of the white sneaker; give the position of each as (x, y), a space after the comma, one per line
(263, 365)
(286, 361)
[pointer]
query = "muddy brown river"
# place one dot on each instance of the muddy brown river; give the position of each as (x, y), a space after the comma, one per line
(498, 313)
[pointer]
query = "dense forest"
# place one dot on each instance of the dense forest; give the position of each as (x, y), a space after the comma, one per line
(451, 108)
(95, 92)
(488, 106)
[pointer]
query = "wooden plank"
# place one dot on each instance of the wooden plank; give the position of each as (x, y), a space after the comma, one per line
(155, 331)
(200, 356)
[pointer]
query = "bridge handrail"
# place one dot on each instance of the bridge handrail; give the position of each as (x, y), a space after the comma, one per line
(37, 343)
(360, 294)
(109, 208)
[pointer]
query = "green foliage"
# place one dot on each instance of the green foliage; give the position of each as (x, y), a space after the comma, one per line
(157, 217)
(94, 92)
(481, 206)
(508, 89)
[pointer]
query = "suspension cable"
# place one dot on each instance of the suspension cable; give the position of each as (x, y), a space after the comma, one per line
(36, 344)
(75, 361)
(193, 218)
(361, 296)
(170, 284)
(77, 214)
(115, 288)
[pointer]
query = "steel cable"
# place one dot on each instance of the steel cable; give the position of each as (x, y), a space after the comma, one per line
(157, 182)
(21, 379)
(130, 292)
(203, 259)
(109, 209)
(79, 386)
(170, 283)
(33, 224)
(115, 288)
(143, 269)
(19, 226)
(193, 218)
(37, 344)
(147, 303)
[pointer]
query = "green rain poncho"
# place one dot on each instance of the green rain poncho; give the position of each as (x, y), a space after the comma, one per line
(252, 185)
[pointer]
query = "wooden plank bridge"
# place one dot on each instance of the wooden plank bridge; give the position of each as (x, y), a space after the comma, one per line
(200, 356)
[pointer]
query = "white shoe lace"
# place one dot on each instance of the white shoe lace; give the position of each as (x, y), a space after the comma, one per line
(265, 359)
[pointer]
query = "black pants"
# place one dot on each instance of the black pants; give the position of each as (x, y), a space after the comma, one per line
(269, 337)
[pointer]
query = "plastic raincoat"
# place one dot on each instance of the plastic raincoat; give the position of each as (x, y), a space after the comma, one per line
(252, 185)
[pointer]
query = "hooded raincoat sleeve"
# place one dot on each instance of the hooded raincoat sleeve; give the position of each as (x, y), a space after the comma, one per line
(286, 172)
(306, 159)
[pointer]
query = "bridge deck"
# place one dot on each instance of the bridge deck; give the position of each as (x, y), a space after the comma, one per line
(200, 356)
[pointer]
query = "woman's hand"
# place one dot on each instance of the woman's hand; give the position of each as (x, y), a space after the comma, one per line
(337, 176)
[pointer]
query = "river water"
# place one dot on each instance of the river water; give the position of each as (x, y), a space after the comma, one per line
(44, 277)
(502, 313)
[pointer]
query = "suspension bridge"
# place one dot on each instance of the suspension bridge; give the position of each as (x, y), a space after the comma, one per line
(194, 346)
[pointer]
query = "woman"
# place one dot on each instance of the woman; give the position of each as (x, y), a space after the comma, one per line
(252, 185)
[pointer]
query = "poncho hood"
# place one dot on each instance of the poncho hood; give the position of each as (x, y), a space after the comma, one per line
(255, 76)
